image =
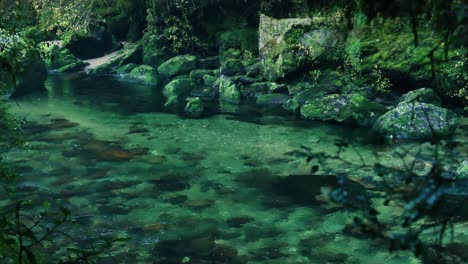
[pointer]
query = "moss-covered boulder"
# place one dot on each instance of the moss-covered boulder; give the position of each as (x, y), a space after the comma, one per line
(228, 91)
(127, 68)
(416, 120)
(272, 99)
(62, 60)
(130, 53)
(179, 65)
(232, 67)
(146, 74)
(352, 108)
(422, 95)
(200, 73)
(177, 90)
(288, 45)
(194, 107)
(292, 105)
(73, 67)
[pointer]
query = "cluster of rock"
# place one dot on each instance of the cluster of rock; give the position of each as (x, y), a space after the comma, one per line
(286, 48)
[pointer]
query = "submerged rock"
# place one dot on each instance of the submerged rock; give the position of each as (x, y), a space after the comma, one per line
(416, 120)
(114, 154)
(179, 65)
(343, 108)
(194, 107)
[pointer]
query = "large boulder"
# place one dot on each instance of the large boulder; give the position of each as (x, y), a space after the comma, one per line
(351, 108)
(416, 120)
(286, 46)
(179, 65)
(177, 90)
(130, 53)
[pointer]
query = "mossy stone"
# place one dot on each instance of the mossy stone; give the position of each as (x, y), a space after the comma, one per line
(145, 73)
(353, 108)
(423, 95)
(272, 99)
(228, 91)
(179, 65)
(194, 107)
(416, 120)
(177, 90)
(232, 67)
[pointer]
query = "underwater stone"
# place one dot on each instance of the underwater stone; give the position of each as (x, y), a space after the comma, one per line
(422, 95)
(416, 120)
(179, 65)
(194, 107)
(232, 67)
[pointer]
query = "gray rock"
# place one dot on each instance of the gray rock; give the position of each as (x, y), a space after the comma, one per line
(416, 120)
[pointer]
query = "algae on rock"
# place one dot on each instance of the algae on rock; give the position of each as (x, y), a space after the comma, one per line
(416, 120)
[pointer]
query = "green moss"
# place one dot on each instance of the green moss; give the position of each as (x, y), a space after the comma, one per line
(228, 91)
(145, 73)
(177, 90)
(179, 65)
(343, 108)
(416, 120)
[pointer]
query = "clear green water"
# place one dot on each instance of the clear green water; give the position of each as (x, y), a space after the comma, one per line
(189, 186)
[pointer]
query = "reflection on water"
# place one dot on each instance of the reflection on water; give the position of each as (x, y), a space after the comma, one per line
(185, 191)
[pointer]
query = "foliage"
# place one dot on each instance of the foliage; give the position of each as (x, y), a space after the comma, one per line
(380, 82)
(25, 233)
(411, 203)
